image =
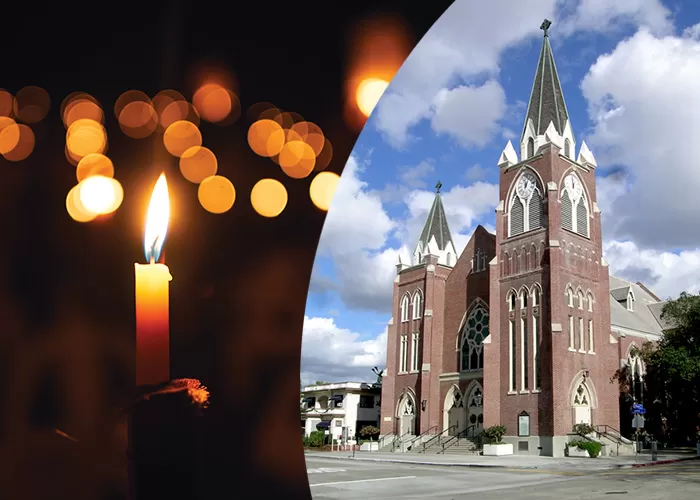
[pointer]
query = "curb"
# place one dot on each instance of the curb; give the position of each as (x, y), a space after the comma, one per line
(663, 462)
(438, 464)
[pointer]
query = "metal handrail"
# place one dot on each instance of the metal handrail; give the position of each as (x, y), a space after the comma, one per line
(422, 434)
(438, 437)
(455, 439)
(398, 439)
(619, 437)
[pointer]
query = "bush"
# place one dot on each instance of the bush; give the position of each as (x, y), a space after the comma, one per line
(592, 447)
(583, 429)
(369, 432)
(314, 440)
(495, 433)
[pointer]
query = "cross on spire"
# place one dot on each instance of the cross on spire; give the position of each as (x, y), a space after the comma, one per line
(438, 186)
(545, 26)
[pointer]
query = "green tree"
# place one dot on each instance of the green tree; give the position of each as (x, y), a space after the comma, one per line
(673, 370)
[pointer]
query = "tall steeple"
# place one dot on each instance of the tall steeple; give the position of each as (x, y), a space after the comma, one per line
(435, 238)
(547, 118)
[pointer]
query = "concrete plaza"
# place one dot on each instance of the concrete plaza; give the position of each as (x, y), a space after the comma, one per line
(347, 479)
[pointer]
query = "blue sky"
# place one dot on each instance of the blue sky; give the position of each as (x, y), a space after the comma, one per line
(460, 96)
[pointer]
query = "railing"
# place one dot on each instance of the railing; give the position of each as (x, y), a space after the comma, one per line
(464, 434)
(438, 437)
(611, 432)
(398, 440)
(421, 435)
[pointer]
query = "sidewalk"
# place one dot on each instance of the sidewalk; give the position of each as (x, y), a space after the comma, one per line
(512, 461)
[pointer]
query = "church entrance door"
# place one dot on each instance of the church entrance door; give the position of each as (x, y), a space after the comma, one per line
(475, 411)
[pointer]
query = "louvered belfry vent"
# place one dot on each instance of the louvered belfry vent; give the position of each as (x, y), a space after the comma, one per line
(566, 212)
(535, 209)
(581, 219)
(517, 217)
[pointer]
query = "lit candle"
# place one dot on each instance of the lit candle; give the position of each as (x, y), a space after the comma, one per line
(152, 283)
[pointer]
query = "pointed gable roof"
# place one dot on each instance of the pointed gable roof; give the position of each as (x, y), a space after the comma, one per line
(436, 224)
(547, 99)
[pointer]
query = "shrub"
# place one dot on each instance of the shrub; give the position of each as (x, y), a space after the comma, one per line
(369, 432)
(315, 439)
(583, 429)
(592, 447)
(495, 433)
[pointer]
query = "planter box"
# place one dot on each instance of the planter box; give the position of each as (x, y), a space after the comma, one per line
(371, 446)
(576, 452)
(497, 450)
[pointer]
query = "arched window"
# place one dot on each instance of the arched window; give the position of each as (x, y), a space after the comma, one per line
(404, 309)
(630, 301)
(449, 259)
(530, 147)
(536, 296)
(417, 305)
(475, 330)
(567, 148)
(574, 206)
(523, 298)
(569, 297)
(511, 301)
(590, 302)
(525, 212)
(580, 299)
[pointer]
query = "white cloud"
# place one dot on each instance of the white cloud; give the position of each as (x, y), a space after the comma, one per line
(665, 273)
(470, 114)
(414, 177)
(606, 15)
(643, 102)
(334, 354)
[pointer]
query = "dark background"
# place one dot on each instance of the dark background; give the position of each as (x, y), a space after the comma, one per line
(240, 280)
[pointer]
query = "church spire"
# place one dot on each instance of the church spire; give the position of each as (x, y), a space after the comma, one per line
(435, 238)
(547, 99)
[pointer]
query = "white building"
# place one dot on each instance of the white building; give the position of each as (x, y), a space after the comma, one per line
(338, 406)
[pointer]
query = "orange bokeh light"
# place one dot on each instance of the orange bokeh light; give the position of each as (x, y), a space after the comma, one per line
(269, 197)
(100, 195)
(368, 93)
(138, 119)
(215, 103)
(323, 188)
(31, 104)
(75, 207)
(85, 137)
(266, 138)
(94, 164)
(9, 134)
(216, 194)
(179, 111)
(181, 136)
(325, 157)
(79, 105)
(297, 159)
(197, 163)
(24, 146)
(128, 97)
(6, 103)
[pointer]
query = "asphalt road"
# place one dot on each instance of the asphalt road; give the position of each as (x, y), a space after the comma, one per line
(332, 479)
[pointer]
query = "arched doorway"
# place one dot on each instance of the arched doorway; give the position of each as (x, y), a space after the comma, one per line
(475, 409)
(407, 415)
(454, 415)
(581, 404)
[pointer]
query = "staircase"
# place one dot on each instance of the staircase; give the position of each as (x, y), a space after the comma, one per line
(462, 446)
(615, 443)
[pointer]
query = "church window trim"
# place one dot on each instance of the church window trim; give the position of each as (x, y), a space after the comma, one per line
(511, 299)
(415, 342)
(474, 331)
(512, 357)
(404, 308)
(403, 354)
(532, 206)
(417, 304)
(590, 301)
(575, 211)
(630, 300)
(536, 339)
(572, 336)
(524, 292)
(569, 296)
(581, 336)
(580, 299)
(530, 147)
(591, 338)
(524, 356)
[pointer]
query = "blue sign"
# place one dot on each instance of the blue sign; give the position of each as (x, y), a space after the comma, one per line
(637, 409)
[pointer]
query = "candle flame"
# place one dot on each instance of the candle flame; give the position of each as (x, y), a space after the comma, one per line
(157, 220)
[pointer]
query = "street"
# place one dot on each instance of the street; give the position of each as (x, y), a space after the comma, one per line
(332, 479)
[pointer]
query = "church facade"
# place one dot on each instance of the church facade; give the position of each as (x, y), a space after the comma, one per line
(526, 327)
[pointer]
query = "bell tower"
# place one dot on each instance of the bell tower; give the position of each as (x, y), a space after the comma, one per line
(548, 362)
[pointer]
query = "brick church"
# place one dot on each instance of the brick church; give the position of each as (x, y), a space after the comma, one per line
(526, 327)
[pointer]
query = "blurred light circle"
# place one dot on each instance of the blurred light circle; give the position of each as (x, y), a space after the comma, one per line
(369, 91)
(256, 110)
(322, 189)
(268, 197)
(297, 159)
(25, 145)
(31, 104)
(75, 208)
(6, 103)
(325, 157)
(216, 194)
(213, 101)
(86, 136)
(82, 107)
(179, 111)
(127, 98)
(266, 138)
(9, 134)
(162, 100)
(138, 119)
(100, 195)
(197, 163)
(94, 164)
(181, 136)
